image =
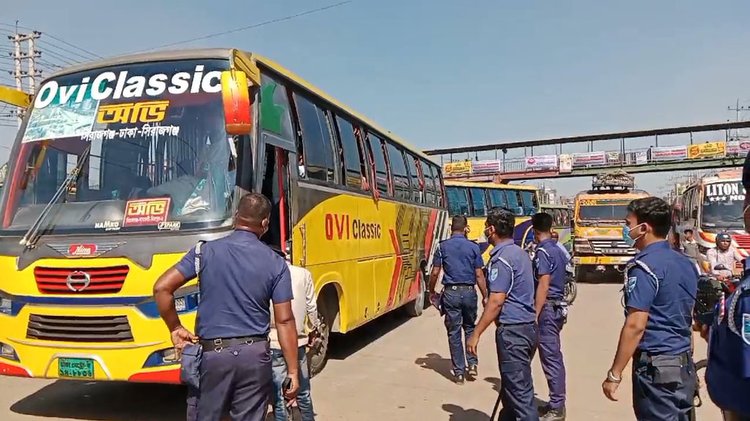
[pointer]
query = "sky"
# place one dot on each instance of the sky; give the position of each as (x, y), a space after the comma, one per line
(442, 73)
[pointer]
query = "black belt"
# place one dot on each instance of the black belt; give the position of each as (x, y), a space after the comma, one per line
(455, 287)
(220, 343)
(646, 357)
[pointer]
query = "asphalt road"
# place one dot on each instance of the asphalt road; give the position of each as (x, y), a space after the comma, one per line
(396, 368)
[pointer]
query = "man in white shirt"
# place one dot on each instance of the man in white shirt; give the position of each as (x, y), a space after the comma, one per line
(305, 309)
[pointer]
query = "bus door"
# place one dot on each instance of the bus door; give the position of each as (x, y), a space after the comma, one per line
(274, 184)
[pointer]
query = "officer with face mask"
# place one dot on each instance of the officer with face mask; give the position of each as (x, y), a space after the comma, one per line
(728, 369)
(660, 289)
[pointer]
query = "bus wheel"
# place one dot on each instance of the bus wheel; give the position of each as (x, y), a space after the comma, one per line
(328, 308)
(415, 308)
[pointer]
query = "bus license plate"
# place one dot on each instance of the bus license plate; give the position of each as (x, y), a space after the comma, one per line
(76, 368)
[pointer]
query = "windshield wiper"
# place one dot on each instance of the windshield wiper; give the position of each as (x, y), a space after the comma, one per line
(32, 235)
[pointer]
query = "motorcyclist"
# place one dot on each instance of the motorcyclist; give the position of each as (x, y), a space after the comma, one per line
(723, 255)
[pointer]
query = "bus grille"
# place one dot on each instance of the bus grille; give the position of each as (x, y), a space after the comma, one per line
(609, 247)
(79, 329)
(106, 280)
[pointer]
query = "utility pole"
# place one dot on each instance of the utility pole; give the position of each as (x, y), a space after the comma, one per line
(737, 109)
(30, 57)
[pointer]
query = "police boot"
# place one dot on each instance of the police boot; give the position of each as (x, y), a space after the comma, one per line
(557, 414)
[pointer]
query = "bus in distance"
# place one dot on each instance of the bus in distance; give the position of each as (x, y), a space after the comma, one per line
(123, 165)
(711, 205)
(474, 199)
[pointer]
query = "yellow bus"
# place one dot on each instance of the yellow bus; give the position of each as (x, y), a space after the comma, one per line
(122, 165)
(474, 199)
(561, 222)
(598, 217)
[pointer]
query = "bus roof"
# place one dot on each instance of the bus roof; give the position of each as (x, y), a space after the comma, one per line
(635, 193)
(489, 185)
(723, 175)
(229, 53)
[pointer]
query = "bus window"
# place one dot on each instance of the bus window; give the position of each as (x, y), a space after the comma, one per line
(317, 153)
(497, 198)
(529, 202)
(417, 178)
(514, 202)
(274, 108)
(430, 185)
(398, 171)
(353, 163)
(458, 200)
(381, 172)
(478, 202)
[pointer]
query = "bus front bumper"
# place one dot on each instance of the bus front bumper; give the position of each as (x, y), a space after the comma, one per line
(601, 260)
(40, 342)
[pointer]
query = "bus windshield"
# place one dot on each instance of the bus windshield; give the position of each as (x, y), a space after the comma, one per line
(160, 158)
(604, 212)
(722, 206)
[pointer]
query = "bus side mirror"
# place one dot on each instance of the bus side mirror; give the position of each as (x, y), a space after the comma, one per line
(235, 97)
(694, 214)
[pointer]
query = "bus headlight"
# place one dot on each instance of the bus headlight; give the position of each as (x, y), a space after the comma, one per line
(8, 352)
(161, 358)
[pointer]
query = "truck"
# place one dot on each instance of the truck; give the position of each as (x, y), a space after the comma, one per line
(599, 250)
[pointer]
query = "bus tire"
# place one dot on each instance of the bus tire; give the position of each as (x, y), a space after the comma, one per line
(416, 307)
(328, 309)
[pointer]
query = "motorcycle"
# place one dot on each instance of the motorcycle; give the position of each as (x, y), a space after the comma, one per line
(571, 288)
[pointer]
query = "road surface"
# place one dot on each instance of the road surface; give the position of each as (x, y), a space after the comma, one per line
(394, 369)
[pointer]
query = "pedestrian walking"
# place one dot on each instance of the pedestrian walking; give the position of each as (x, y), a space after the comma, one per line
(510, 306)
(660, 290)
(239, 277)
(461, 263)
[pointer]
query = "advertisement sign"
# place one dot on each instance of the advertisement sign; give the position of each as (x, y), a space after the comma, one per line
(146, 212)
(738, 147)
(566, 163)
(613, 157)
(589, 158)
(453, 169)
(668, 153)
(541, 163)
(641, 158)
(486, 167)
(707, 150)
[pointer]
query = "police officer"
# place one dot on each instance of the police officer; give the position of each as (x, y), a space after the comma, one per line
(728, 369)
(239, 276)
(510, 283)
(461, 261)
(660, 290)
(551, 311)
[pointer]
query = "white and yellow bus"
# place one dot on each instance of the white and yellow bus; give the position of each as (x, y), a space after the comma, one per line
(122, 165)
(474, 199)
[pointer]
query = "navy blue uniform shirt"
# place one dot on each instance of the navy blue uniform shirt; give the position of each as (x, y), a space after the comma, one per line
(239, 276)
(728, 371)
(460, 258)
(663, 282)
(550, 260)
(509, 271)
